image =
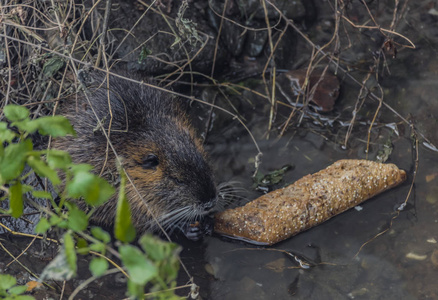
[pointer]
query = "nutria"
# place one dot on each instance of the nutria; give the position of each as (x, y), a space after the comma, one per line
(157, 145)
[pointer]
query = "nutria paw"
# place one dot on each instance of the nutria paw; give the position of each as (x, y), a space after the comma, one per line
(197, 230)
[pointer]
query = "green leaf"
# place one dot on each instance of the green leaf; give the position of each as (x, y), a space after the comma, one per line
(158, 249)
(26, 188)
(23, 297)
(70, 253)
(42, 226)
(84, 184)
(6, 135)
(384, 154)
(77, 219)
(100, 234)
(16, 200)
(52, 66)
(41, 194)
(26, 125)
(271, 178)
(163, 254)
(57, 221)
(139, 267)
(54, 220)
(123, 228)
(92, 188)
(42, 169)
(82, 245)
(12, 160)
(57, 159)
(98, 247)
(7, 281)
(55, 126)
(144, 53)
(135, 291)
(81, 168)
(106, 190)
(98, 266)
(15, 112)
(17, 290)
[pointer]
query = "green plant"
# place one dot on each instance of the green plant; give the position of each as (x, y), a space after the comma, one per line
(155, 267)
(10, 291)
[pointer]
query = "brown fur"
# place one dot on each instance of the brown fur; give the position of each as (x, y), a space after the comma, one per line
(145, 123)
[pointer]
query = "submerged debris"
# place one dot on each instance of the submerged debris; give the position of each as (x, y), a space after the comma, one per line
(265, 182)
(319, 88)
(415, 256)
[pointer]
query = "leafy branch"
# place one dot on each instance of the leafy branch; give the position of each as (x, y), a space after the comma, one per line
(154, 264)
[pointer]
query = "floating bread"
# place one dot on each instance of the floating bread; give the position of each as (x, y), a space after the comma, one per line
(310, 201)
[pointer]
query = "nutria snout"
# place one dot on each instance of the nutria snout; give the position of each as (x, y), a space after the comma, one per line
(158, 147)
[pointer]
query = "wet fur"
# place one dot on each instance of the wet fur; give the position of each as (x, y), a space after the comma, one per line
(144, 121)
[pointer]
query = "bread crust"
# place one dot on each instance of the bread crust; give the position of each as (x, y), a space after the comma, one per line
(308, 202)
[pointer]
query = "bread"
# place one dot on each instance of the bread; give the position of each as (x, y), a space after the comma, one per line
(310, 201)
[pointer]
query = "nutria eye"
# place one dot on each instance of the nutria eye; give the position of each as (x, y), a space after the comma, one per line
(150, 162)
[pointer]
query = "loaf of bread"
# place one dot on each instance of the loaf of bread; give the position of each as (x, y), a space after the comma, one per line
(310, 201)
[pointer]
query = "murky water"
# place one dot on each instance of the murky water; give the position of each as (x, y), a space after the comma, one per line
(248, 272)
(360, 254)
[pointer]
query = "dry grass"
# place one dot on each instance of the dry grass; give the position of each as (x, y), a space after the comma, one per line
(45, 43)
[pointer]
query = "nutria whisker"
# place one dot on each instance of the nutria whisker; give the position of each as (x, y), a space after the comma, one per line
(179, 217)
(175, 217)
(228, 192)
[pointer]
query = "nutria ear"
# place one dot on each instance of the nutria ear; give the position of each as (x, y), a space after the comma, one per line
(150, 161)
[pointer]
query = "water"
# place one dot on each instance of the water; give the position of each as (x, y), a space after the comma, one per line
(368, 254)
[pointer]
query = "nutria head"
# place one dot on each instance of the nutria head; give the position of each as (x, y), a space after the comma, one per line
(153, 138)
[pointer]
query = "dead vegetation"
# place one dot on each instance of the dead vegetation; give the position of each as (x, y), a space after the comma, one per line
(43, 45)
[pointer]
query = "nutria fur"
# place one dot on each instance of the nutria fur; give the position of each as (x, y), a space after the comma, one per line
(158, 148)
